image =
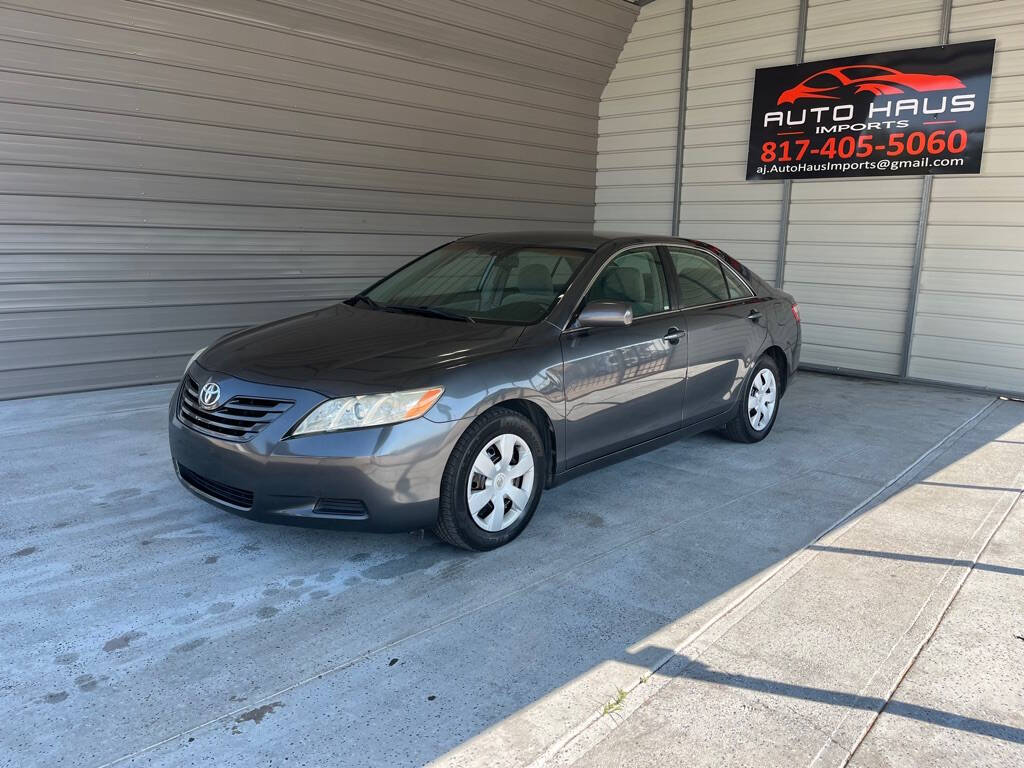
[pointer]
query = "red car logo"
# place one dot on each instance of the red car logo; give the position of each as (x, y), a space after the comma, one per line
(862, 78)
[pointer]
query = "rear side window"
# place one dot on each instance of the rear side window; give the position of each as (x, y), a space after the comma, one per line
(703, 280)
(737, 290)
(700, 278)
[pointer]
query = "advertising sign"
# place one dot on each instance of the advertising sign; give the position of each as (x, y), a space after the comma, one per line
(900, 113)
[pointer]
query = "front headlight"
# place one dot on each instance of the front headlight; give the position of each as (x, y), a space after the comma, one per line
(368, 411)
(193, 359)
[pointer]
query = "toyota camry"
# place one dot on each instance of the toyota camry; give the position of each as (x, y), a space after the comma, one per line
(449, 394)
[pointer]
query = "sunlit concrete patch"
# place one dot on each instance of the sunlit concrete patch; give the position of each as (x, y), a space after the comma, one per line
(803, 675)
(962, 703)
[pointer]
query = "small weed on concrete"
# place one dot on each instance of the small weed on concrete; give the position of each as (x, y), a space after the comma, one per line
(615, 704)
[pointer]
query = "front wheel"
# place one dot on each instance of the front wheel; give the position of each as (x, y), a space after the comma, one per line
(759, 404)
(492, 482)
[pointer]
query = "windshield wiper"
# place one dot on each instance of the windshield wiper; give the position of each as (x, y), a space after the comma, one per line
(418, 310)
(365, 299)
(428, 311)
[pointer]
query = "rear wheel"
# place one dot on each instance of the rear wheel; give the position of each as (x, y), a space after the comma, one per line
(492, 482)
(759, 404)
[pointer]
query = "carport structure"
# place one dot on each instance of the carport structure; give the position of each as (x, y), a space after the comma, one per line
(173, 169)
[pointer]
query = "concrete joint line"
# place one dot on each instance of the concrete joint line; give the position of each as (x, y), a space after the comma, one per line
(542, 760)
(352, 661)
(917, 636)
(588, 734)
(18, 432)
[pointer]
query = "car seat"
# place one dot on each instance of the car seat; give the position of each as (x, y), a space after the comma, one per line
(626, 284)
(534, 284)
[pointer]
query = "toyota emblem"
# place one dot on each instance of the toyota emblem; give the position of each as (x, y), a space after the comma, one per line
(209, 395)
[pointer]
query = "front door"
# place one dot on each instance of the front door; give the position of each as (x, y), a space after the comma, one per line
(726, 329)
(624, 385)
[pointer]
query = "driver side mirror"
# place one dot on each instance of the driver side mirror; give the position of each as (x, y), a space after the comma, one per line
(606, 313)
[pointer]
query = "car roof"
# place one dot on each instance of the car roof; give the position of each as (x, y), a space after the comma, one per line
(583, 239)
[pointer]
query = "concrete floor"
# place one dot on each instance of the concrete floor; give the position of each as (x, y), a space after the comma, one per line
(139, 626)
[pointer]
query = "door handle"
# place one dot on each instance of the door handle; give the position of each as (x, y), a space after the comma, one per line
(754, 316)
(673, 335)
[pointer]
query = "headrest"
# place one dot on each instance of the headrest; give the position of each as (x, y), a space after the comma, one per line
(535, 278)
(624, 284)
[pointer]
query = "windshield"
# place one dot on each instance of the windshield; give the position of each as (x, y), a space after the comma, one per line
(487, 282)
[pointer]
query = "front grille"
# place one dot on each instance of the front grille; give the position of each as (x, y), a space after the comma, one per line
(236, 497)
(240, 418)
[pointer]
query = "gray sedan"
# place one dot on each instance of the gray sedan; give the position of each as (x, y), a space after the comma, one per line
(452, 392)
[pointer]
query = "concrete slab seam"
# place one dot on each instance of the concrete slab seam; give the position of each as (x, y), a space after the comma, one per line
(90, 417)
(736, 610)
(470, 611)
(944, 609)
(351, 661)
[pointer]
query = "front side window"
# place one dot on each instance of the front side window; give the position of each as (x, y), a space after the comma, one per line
(635, 277)
(491, 282)
(703, 280)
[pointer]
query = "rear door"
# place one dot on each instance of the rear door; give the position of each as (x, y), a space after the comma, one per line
(726, 329)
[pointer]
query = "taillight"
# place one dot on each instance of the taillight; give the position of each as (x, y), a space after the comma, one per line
(795, 309)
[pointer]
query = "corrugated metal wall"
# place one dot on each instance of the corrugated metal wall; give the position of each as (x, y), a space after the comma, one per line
(637, 142)
(177, 168)
(729, 41)
(970, 320)
(850, 243)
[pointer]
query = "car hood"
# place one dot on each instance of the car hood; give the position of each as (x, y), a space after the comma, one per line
(343, 350)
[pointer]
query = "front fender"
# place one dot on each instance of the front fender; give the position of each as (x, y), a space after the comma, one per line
(532, 373)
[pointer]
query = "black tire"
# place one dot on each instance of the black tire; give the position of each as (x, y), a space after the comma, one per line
(739, 428)
(455, 524)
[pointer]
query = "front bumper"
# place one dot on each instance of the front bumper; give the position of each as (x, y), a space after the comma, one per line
(372, 479)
